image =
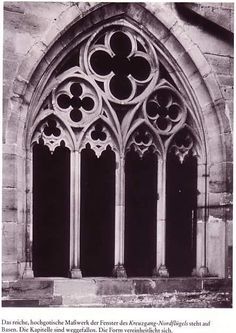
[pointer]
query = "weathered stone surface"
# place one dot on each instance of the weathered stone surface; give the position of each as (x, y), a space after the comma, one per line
(9, 249)
(75, 287)
(9, 170)
(216, 247)
(156, 286)
(227, 92)
(216, 14)
(10, 271)
(114, 287)
(31, 289)
(20, 303)
(208, 292)
(220, 64)
(9, 205)
(217, 285)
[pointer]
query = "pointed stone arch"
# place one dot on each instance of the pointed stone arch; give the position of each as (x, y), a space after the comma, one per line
(184, 61)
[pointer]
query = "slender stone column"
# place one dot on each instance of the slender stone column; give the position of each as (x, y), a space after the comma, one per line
(201, 264)
(119, 270)
(160, 269)
(28, 272)
(75, 215)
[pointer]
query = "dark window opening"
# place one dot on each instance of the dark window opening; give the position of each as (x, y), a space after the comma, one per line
(97, 213)
(181, 203)
(140, 213)
(51, 211)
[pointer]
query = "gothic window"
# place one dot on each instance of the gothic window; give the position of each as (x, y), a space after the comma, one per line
(113, 143)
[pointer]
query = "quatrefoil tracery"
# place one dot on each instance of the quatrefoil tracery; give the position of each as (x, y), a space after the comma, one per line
(123, 63)
(165, 110)
(77, 99)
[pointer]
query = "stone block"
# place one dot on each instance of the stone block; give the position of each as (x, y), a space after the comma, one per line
(31, 289)
(221, 65)
(231, 61)
(221, 116)
(213, 44)
(158, 286)
(74, 287)
(114, 287)
(67, 17)
(226, 80)
(199, 85)
(9, 170)
(23, 43)
(175, 48)
(168, 20)
(12, 131)
(217, 181)
(74, 300)
(216, 149)
(199, 60)
(9, 49)
(230, 232)
(9, 70)
(228, 92)
(186, 64)
(31, 60)
(213, 87)
(9, 205)
(229, 177)
(216, 247)
(45, 10)
(28, 23)
(14, 7)
(219, 285)
(20, 241)
(9, 271)
(9, 249)
(20, 303)
(218, 210)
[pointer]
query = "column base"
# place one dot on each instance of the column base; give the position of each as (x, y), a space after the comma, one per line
(75, 273)
(203, 271)
(162, 271)
(119, 271)
(28, 272)
(194, 272)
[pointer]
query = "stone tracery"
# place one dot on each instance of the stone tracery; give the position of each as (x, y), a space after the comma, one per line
(119, 68)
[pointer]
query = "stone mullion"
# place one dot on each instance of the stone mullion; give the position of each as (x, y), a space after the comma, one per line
(75, 214)
(28, 272)
(119, 270)
(160, 269)
(201, 262)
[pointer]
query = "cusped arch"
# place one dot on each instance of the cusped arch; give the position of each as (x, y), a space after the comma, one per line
(99, 135)
(52, 130)
(150, 138)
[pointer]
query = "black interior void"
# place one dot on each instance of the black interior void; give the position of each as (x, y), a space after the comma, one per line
(181, 206)
(97, 213)
(51, 211)
(140, 213)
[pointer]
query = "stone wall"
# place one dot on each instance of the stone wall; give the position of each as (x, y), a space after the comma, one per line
(30, 28)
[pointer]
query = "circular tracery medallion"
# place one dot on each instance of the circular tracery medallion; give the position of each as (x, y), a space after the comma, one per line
(122, 62)
(165, 110)
(77, 99)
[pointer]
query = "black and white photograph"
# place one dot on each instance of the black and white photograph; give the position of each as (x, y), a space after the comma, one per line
(117, 159)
